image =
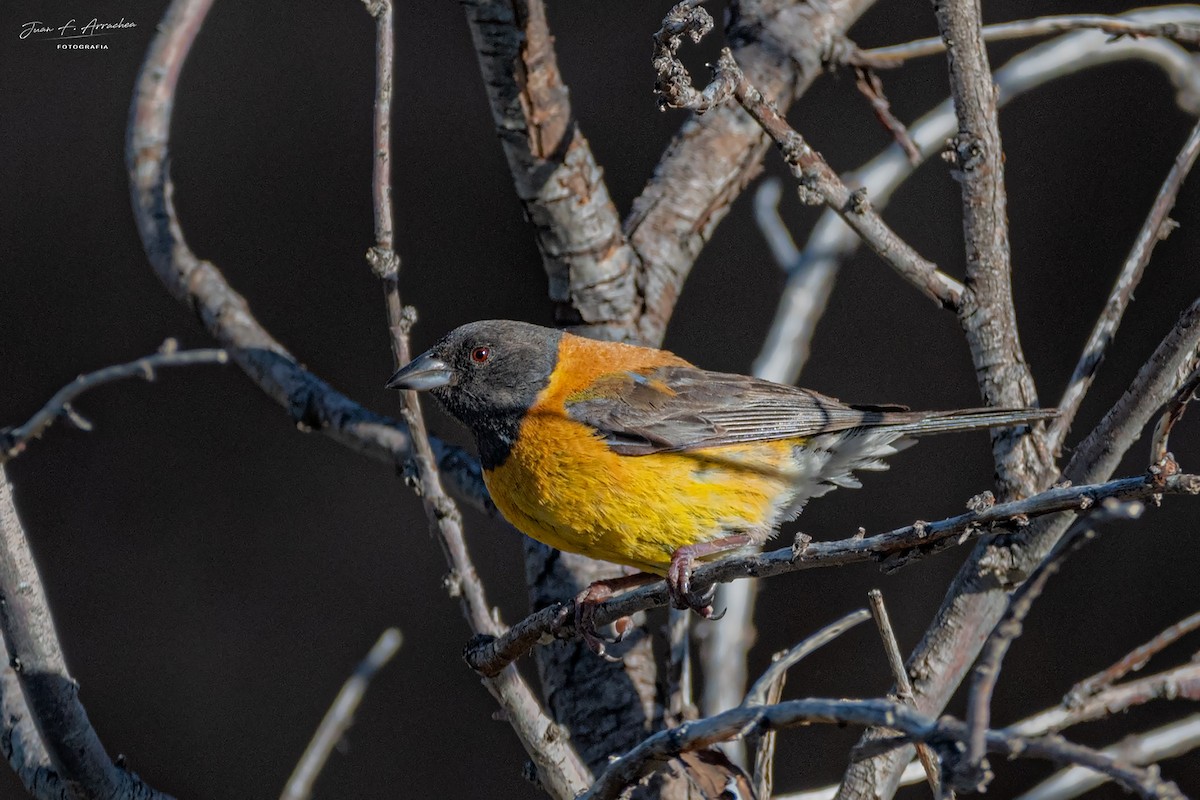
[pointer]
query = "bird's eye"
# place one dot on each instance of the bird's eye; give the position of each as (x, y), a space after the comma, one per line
(480, 355)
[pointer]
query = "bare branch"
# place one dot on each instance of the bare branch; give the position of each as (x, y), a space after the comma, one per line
(1182, 683)
(1154, 229)
(311, 402)
(891, 649)
(943, 733)
(972, 772)
(978, 596)
(1132, 661)
(559, 768)
(987, 315)
(590, 264)
(1178, 683)
(814, 270)
(14, 440)
(75, 762)
(782, 662)
(22, 744)
(781, 44)
(892, 549)
(340, 717)
(1116, 27)
(1169, 741)
(818, 182)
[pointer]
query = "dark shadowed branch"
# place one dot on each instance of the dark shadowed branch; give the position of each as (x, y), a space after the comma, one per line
(67, 759)
(311, 403)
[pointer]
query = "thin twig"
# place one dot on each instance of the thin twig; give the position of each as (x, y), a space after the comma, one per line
(1132, 661)
(972, 773)
(75, 754)
(891, 649)
(812, 273)
(1160, 457)
(1116, 27)
(1179, 683)
(944, 733)
(559, 769)
(1154, 229)
(487, 656)
(340, 717)
(680, 706)
(768, 690)
(198, 284)
(14, 440)
(782, 662)
(870, 86)
(1169, 741)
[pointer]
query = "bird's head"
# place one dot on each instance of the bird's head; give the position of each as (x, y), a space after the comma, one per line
(487, 374)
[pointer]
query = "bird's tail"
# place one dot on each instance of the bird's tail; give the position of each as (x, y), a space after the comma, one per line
(967, 419)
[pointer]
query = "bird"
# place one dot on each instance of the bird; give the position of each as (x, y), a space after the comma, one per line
(636, 456)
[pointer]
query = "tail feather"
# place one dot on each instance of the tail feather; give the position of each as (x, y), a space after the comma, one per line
(969, 419)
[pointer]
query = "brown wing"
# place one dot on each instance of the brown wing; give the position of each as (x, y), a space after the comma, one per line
(685, 408)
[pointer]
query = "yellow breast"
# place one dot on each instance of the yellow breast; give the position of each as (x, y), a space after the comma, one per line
(564, 487)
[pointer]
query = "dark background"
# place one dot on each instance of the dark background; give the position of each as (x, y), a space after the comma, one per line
(215, 575)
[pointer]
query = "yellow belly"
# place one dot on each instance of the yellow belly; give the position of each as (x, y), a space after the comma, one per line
(637, 510)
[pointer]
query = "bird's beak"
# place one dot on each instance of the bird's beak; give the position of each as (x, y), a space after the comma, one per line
(426, 371)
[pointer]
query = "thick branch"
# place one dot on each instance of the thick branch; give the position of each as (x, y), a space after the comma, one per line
(979, 594)
(226, 315)
(892, 549)
(591, 267)
(780, 44)
(987, 315)
(812, 271)
(973, 774)
(944, 734)
(76, 758)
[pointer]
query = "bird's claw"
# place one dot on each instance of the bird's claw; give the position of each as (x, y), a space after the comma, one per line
(585, 620)
(679, 587)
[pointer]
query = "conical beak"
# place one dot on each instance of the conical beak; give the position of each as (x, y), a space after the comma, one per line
(423, 372)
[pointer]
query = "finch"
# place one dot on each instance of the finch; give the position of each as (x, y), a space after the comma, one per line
(635, 456)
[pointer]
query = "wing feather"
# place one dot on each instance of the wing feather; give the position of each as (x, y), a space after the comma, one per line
(677, 408)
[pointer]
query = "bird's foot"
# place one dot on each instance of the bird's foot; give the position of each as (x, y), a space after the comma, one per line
(679, 574)
(586, 603)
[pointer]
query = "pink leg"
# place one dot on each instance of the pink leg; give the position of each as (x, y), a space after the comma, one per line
(679, 574)
(595, 594)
